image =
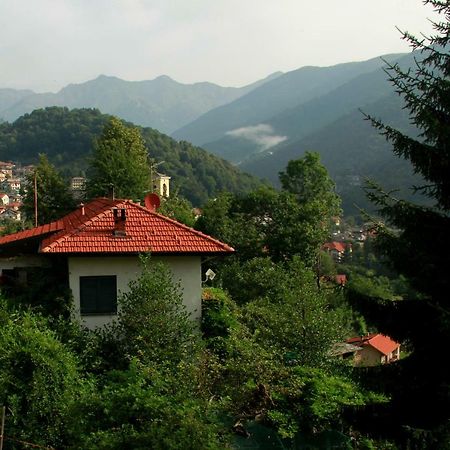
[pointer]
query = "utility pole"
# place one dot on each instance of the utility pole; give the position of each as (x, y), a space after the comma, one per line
(35, 203)
(2, 428)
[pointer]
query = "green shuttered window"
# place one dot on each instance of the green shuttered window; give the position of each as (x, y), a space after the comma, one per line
(98, 295)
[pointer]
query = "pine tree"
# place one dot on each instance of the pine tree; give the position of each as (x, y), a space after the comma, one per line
(415, 239)
(119, 162)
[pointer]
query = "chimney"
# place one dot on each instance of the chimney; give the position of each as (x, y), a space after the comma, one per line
(120, 218)
(81, 205)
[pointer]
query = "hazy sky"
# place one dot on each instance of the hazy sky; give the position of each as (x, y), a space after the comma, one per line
(46, 44)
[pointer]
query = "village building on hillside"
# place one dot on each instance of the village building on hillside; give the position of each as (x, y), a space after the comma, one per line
(6, 168)
(336, 250)
(78, 187)
(99, 244)
(11, 184)
(161, 185)
(374, 349)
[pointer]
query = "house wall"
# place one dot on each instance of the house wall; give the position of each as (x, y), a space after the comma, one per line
(368, 356)
(185, 269)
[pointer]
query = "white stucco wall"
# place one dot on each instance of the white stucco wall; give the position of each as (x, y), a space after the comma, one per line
(185, 269)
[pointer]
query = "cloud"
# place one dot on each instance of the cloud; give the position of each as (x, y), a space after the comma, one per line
(262, 135)
(46, 44)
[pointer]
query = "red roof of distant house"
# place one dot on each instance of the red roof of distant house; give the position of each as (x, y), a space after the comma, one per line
(340, 279)
(338, 246)
(91, 230)
(384, 344)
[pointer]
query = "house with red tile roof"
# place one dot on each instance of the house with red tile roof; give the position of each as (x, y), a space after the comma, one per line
(100, 243)
(375, 349)
(336, 249)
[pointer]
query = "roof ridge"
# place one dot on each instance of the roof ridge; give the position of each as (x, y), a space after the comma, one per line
(182, 225)
(64, 235)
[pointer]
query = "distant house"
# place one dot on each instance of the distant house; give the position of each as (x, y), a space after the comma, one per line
(10, 213)
(78, 187)
(336, 249)
(77, 183)
(6, 168)
(99, 244)
(375, 349)
(13, 184)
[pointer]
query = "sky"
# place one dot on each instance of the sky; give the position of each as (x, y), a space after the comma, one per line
(47, 44)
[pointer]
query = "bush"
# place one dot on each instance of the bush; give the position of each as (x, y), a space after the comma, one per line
(38, 379)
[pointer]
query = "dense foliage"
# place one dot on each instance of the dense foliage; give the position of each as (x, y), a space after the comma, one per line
(67, 137)
(282, 224)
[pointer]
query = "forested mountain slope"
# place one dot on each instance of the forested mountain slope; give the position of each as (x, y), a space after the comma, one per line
(275, 97)
(353, 151)
(66, 136)
(306, 118)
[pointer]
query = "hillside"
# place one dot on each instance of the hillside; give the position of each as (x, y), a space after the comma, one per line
(352, 150)
(275, 97)
(161, 103)
(67, 138)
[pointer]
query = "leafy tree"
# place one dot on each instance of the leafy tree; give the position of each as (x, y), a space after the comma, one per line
(308, 179)
(178, 208)
(419, 248)
(296, 319)
(265, 222)
(53, 195)
(120, 162)
(273, 363)
(153, 324)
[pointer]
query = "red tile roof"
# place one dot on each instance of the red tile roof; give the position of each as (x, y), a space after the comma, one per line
(384, 344)
(338, 246)
(93, 232)
(341, 279)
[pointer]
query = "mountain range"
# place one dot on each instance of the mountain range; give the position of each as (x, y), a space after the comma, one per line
(316, 109)
(162, 103)
(260, 127)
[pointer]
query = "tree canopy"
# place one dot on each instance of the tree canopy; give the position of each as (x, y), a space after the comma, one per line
(119, 162)
(266, 222)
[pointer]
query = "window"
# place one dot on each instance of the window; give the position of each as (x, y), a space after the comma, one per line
(98, 295)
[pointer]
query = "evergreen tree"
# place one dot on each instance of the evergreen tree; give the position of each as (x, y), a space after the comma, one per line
(419, 247)
(119, 162)
(53, 195)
